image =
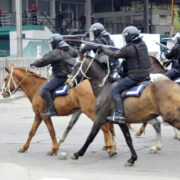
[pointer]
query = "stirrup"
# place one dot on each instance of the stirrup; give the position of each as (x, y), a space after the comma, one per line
(49, 114)
(117, 119)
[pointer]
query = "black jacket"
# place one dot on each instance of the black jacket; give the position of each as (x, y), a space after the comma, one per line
(135, 68)
(174, 54)
(103, 39)
(61, 61)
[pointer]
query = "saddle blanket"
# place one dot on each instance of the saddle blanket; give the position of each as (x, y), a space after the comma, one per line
(136, 90)
(132, 92)
(62, 90)
(177, 81)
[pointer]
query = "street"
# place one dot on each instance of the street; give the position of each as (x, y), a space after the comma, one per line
(16, 119)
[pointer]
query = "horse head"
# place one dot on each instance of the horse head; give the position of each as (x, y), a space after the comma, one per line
(15, 78)
(88, 68)
(9, 85)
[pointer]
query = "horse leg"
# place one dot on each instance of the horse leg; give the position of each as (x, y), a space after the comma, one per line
(177, 134)
(36, 123)
(94, 130)
(50, 127)
(113, 136)
(157, 127)
(73, 120)
(113, 147)
(141, 130)
(110, 144)
(176, 124)
(128, 139)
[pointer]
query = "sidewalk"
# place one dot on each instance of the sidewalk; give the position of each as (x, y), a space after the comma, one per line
(16, 96)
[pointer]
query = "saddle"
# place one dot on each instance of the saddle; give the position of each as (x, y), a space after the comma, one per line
(177, 80)
(61, 91)
(137, 90)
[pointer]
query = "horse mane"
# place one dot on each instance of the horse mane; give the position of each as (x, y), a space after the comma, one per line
(32, 73)
(96, 60)
(157, 61)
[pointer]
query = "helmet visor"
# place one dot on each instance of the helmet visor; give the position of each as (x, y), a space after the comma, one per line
(91, 35)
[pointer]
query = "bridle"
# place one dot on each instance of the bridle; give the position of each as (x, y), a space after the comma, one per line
(7, 88)
(80, 70)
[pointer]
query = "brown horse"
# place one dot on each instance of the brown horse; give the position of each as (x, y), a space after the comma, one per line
(79, 98)
(156, 67)
(158, 98)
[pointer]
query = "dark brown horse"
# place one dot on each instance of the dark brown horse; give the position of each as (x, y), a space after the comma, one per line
(79, 98)
(158, 98)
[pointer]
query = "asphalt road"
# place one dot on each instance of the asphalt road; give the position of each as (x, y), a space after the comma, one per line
(16, 119)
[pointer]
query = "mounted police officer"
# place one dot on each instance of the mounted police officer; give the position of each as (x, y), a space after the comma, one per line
(174, 55)
(136, 56)
(99, 35)
(62, 59)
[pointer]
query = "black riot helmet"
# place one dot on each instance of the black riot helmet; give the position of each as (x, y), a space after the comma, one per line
(131, 34)
(55, 39)
(97, 29)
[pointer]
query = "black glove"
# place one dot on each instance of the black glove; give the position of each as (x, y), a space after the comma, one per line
(86, 34)
(32, 64)
(100, 48)
(82, 48)
(167, 63)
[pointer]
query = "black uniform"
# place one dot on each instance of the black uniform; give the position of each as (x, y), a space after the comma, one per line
(138, 64)
(101, 57)
(174, 54)
(61, 59)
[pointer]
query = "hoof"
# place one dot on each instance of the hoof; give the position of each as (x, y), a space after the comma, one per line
(112, 153)
(131, 161)
(138, 134)
(154, 150)
(50, 153)
(21, 150)
(128, 164)
(74, 156)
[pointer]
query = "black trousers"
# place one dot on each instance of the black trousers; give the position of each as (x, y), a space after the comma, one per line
(122, 85)
(51, 85)
(173, 73)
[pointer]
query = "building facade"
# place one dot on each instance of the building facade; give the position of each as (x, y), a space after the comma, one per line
(77, 15)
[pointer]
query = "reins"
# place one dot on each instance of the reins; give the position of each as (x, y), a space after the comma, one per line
(7, 88)
(74, 78)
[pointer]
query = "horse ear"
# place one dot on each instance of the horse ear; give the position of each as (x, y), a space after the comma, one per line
(7, 69)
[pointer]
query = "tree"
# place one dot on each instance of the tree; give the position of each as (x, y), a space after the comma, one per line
(176, 20)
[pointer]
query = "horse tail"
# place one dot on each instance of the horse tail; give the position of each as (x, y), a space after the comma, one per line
(158, 77)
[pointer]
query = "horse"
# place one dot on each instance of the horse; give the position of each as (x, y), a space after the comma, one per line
(81, 98)
(158, 98)
(156, 67)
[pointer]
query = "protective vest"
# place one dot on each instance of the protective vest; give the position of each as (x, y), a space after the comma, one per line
(142, 61)
(177, 52)
(106, 40)
(65, 64)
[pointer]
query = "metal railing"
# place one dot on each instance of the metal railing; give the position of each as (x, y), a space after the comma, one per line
(32, 18)
(19, 62)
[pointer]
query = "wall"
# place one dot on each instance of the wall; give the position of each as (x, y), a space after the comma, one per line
(32, 34)
(153, 48)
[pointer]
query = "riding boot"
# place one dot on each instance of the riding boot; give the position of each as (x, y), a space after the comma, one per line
(118, 116)
(51, 111)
